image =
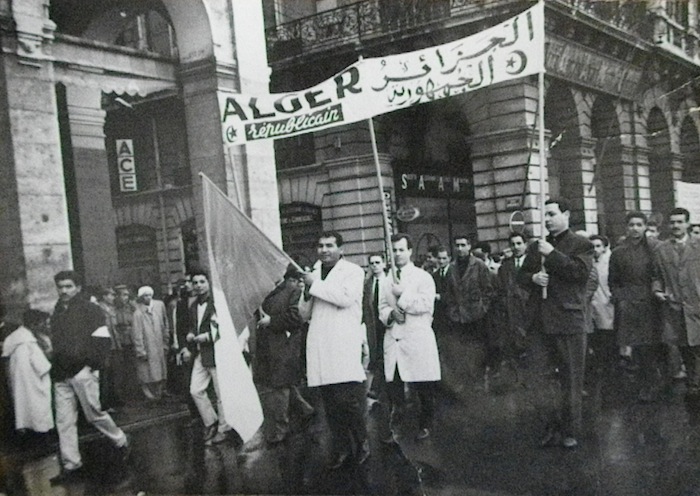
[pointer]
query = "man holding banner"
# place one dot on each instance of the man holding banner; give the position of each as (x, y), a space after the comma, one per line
(333, 303)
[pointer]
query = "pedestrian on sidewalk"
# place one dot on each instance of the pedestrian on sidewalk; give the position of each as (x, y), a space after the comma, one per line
(27, 351)
(151, 338)
(76, 324)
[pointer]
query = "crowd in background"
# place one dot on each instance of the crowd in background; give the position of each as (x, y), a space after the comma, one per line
(337, 338)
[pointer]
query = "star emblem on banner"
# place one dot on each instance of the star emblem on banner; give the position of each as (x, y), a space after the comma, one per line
(231, 134)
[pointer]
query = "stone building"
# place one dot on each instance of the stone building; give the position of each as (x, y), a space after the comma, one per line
(108, 113)
(621, 119)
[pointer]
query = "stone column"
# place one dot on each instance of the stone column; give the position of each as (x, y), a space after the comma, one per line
(96, 247)
(36, 242)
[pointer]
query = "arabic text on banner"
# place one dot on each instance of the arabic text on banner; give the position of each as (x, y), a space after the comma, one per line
(375, 86)
(244, 266)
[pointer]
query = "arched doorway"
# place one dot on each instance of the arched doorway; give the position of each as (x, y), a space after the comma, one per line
(431, 159)
(609, 173)
(564, 159)
(690, 150)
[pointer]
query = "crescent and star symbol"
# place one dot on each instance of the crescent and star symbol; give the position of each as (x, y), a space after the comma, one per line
(516, 62)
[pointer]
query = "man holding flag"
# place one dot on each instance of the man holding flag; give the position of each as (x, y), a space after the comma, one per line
(333, 303)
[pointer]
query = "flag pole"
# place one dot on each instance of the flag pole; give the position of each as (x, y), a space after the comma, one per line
(540, 111)
(380, 185)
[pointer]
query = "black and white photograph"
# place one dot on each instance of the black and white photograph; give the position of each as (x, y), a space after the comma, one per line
(350, 247)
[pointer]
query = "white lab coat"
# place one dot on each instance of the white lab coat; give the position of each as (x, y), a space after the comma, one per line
(336, 333)
(410, 346)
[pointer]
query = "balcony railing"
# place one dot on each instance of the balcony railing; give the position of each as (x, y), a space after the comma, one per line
(366, 19)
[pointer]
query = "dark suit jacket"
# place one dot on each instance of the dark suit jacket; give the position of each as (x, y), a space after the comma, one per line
(513, 312)
(440, 312)
(206, 349)
(569, 267)
(375, 328)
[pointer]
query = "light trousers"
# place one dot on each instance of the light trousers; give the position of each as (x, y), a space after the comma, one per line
(199, 382)
(83, 388)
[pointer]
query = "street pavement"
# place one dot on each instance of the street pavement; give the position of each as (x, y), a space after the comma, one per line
(484, 443)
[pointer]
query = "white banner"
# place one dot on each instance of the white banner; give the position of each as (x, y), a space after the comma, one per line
(375, 86)
(688, 197)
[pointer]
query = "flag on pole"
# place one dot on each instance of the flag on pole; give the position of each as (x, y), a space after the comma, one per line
(244, 266)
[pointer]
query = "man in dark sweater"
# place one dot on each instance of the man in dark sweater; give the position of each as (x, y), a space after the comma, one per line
(76, 327)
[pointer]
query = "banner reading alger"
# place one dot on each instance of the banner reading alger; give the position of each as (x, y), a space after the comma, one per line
(375, 86)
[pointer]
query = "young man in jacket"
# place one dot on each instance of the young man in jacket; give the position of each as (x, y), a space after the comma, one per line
(76, 361)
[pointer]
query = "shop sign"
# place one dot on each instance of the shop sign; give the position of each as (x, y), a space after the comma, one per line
(299, 214)
(126, 166)
(517, 222)
(407, 214)
(434, 185)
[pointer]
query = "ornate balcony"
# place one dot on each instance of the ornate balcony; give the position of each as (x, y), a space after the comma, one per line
(362, 21)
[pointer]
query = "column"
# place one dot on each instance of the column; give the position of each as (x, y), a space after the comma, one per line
(94, 237)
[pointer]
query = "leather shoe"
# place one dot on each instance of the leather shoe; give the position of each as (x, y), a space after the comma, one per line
(569, 442)
(551, 439)
(422, 434)
(339, 461)
(363, 455)
(68, 476)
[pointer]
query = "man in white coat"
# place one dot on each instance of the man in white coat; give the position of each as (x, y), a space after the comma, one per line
(333, 303)
(410, 351)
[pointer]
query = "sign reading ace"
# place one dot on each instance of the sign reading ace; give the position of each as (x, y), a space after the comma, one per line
(126, 167)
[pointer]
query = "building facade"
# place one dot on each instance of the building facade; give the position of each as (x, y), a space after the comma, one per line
(108, 114)
(621, 120)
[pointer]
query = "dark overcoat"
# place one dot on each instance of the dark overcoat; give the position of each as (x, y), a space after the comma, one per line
(513, 313)
(370, 317)
(278, 357)
(206, 349)
(677, 273)
(630, 275)
(564, 311)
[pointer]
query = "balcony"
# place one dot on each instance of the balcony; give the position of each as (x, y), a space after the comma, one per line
(362, 21)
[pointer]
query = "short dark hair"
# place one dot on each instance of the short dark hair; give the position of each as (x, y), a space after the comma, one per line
(462, 236)
(636, 214)
(484, 246)
(106, 290)
(332, 234)
(71, 275)
(513, 235)
(376, 254)
(563, 203)
(600, 237)
(438, 249)
(198, 271)
(395, 238)
(652, 223)
(32, 317)
(680, 211)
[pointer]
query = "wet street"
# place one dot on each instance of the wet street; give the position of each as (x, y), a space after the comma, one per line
(485, 442)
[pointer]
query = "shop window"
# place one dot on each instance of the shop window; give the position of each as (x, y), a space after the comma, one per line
(136, 246)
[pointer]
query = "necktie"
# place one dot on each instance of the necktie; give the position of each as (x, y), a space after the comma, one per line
(398, 274)
(375, 301)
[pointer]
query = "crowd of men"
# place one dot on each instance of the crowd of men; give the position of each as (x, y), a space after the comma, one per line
(331, 336)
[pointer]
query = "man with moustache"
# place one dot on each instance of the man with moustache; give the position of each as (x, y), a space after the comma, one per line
(332, 304)
(561, 264)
